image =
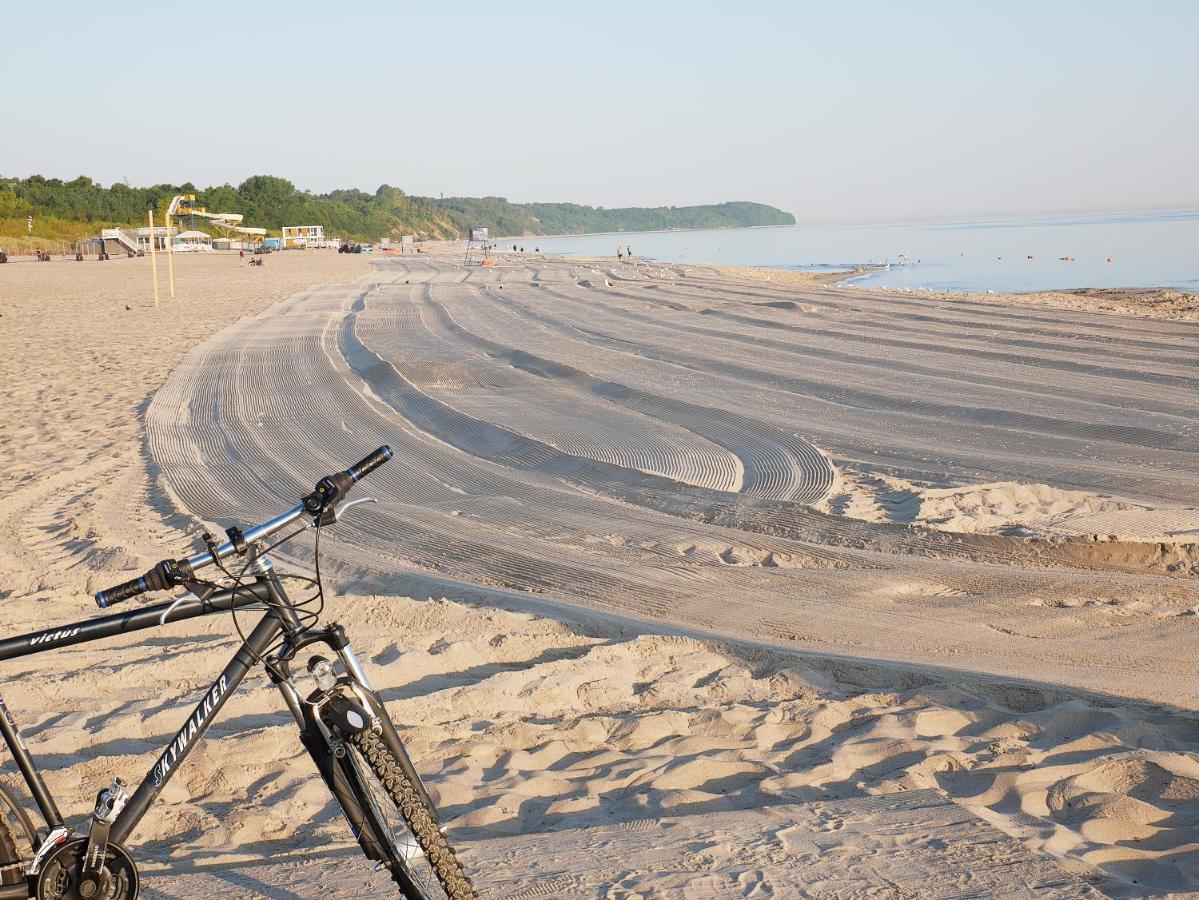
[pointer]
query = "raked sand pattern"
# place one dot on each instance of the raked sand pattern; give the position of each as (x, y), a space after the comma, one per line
(650, 442)
(677, 665)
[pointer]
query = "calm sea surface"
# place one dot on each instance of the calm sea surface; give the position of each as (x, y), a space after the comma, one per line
(1150, 249)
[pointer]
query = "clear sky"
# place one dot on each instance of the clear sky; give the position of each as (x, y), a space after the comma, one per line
(836, 111)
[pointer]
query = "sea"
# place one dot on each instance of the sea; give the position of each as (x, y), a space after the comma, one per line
(1058, 252)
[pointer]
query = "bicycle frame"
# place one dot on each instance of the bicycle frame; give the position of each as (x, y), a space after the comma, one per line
(279, 617)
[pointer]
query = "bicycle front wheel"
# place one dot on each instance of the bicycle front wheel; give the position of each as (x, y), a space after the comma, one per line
(417, 854)
(12, 868)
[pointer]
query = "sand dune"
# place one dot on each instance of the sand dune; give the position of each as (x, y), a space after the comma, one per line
(647, 623)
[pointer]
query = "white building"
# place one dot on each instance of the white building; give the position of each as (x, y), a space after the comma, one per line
(193, 241)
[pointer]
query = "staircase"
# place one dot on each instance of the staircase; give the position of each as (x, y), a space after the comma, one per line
(126, 241)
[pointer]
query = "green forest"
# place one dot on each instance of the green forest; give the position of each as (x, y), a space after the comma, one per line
(68, 210)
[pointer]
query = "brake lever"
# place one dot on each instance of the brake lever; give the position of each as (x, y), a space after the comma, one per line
(195, 591)
(335, 514)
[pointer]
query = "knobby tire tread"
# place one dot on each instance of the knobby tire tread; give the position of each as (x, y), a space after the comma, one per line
(437, 849)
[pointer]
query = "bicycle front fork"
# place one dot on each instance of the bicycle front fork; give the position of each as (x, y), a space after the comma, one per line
(306, 711)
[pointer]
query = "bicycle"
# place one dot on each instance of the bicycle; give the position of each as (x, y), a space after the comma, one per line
(343, 723)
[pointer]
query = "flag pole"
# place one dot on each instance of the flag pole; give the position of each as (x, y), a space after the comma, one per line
(153, 258)
(170, 256)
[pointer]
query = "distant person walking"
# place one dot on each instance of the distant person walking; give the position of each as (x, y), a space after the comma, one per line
(619, 254)
(629, 252)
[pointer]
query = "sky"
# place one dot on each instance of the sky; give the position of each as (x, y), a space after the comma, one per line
(836, 112)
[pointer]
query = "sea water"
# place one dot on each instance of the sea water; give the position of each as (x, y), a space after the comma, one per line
(1141, 249)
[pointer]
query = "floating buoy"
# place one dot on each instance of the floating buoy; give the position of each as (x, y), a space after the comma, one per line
(1109, 259)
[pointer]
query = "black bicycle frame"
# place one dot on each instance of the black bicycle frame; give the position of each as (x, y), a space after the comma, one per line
(265, 590)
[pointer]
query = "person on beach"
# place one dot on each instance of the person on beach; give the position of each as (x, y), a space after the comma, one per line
(619, 255)
(629, 252)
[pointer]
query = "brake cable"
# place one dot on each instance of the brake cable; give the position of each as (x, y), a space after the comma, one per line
(204, 588)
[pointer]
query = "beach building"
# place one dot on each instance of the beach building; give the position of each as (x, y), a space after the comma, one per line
(303, 236)
(193, 241)
(160, 235)
(124, 240)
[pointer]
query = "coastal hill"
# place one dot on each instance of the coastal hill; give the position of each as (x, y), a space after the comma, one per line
(70, 210)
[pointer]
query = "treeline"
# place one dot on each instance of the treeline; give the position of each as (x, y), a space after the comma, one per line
(506, 218)
(270, 202)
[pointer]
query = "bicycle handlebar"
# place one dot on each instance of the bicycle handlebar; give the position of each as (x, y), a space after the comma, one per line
(363, 468)
(171, 573)
(124, 591)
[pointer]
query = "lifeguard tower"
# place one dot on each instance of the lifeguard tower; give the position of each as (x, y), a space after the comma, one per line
(478, 248)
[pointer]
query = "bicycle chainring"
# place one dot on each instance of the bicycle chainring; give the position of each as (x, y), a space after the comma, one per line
(61, 875)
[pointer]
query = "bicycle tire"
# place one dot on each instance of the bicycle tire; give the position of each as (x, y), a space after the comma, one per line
(439, 855)
(20, 816)
(12, 867)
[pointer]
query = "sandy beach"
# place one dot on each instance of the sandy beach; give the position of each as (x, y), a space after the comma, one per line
(660, 543)
(1150, 303)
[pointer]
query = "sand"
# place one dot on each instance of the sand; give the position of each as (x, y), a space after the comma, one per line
(1008, 508)
(648, 620)
(1149, 303)
(786, 277)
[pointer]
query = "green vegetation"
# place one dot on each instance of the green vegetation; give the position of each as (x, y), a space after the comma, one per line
(506, 218)
(68, 210)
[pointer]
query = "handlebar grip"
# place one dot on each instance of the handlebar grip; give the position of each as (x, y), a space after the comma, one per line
(368, 465)
(109, 596)
(332, 488)
(162, 576)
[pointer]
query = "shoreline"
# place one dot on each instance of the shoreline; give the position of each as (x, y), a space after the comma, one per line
(1155, 303)
(1163, 279)
(1148, 302)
